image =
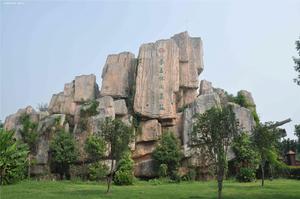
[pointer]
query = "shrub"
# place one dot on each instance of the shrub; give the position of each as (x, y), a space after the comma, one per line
(190, 176)
(162, 172)
(294, 172)
(97, 171)
(95, 147)
(63, 152)
(29, 131)
(168, 152)
(124, 173)
(13, 158)
(246, 175)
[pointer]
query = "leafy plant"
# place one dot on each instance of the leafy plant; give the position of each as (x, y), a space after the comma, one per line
(63, 152)
(97, 171)
(246, 174)
(95, 147)
(117, 135)
(297, 62)
(163, 170)
(124, 173)
(13, 158)
(29, 131)
(215, 130)
(168, 152)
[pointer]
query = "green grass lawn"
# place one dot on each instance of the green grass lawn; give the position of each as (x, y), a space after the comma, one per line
(281, 189)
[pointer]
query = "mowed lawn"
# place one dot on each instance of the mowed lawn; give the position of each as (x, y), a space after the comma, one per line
(281, 189)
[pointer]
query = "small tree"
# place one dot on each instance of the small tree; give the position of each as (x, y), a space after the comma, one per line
(117, 135)
(30, 136)
(124, 173)
(168, 153)
(95, 147)
(297, 62)
(63, 152)
(13, 158)
(215, 130)
(265, 139)
(246, 160)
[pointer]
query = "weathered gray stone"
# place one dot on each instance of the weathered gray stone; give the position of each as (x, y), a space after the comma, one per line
(85, 88)
(120, 107)
(185, 96)
(244, 117)
(205, 87)
(150, 131)
(157, 80)
(202, 104)
(190, 59)
(61, 103)
(143, 149)
(145, 169)
(13, 123)
(118, 75)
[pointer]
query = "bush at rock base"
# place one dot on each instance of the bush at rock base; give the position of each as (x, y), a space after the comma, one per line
(124, 173)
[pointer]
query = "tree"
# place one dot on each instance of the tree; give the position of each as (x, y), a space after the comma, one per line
(265, 138)
(29, 136)
(117, 136)
(124, 173)
(215, 130)
(13, 158)
(297, 133)
(168, 153)
(246, 160)
(63, 152)
(297, 62)
(95, 147)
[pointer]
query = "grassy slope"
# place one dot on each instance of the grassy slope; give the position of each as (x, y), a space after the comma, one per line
(281, 189)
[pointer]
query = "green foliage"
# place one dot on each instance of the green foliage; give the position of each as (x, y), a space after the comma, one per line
(163, 170)
(190, 176)
(247, 158)
(255, 116)
(1, 125)
(97, 171)
(87, 110)
(246, 174)
(297, 131)
(13, 158)
(294, 172)
(168, 152)
(265, 139)
(214, 130)
(297, 62)
(29, 131)
(63, 152)
(117, 136)
(95, 147)
(124, 173)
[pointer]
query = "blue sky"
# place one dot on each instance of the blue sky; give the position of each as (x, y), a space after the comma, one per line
(247, 45)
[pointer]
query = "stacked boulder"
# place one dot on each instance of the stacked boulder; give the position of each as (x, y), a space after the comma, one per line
(159, 90)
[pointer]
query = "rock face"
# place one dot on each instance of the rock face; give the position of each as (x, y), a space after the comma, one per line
(157, 80)
(202, 104)
(82, 89)
(150, 131)
(118, 75)
(190, 59)
(155, 93)
(244, 117)
(205, 87)
(85, 88)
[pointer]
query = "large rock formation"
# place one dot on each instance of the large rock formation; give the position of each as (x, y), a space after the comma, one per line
(118, 75)
(157, 80)
(157, 92)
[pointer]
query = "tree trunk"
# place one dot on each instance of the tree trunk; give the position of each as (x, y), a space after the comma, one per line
(220, 186)
(29, 166)
(109, 178)
(262, 173)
